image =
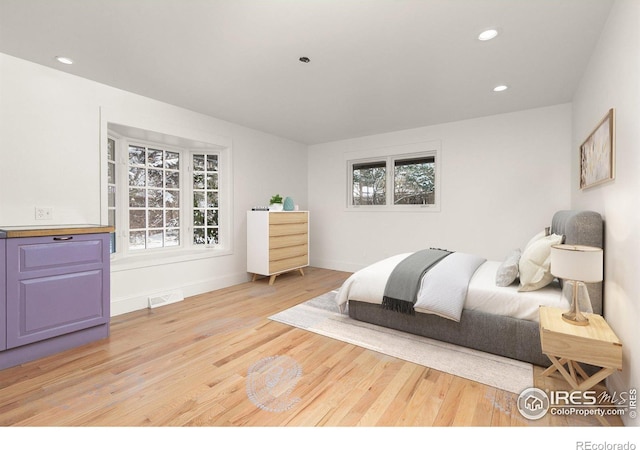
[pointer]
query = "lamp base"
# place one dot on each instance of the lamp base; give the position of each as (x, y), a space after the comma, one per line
(575, 318)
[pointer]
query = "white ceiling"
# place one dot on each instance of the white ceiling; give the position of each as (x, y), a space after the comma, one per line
(376, 65)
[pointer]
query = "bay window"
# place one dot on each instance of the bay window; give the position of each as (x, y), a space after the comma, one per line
(163, 197)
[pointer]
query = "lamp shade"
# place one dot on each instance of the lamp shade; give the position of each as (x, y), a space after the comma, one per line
(577, 262)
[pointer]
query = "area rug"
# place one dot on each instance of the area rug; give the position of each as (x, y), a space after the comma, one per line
(320, 315)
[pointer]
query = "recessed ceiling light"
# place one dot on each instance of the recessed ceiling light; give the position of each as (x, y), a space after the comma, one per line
(500, 88)
(64, 60)
(487, 35)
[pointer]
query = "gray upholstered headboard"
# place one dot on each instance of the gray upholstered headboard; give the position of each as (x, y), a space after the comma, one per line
(582, 228)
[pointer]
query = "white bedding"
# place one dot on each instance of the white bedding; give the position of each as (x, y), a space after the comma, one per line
(368, 285)
(483, 295)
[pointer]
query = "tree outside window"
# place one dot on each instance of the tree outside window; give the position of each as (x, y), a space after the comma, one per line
(393, 181)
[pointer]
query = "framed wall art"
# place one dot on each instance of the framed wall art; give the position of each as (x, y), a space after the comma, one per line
(597, 154)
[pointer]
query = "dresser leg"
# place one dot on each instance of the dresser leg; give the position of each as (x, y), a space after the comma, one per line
(272, 279)
(301, 271)
(255, 276)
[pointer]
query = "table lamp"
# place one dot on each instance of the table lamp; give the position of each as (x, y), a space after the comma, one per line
(576, 264)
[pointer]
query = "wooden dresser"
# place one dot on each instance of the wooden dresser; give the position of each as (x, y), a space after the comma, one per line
(277, 242)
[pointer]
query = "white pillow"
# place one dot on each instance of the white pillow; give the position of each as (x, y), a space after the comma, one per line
(535, 238)
(507, 273)
(534, 266)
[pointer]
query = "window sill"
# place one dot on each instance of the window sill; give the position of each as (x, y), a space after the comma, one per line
(397, 208)
(162, 257)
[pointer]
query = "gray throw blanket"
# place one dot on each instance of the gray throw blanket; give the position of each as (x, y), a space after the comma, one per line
(401, 291)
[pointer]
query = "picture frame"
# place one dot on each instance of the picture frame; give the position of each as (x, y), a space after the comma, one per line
(597, 153)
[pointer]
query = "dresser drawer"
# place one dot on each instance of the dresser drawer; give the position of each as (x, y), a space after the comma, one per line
(288, 252)
(288, 229)
(288, 240)
(39, 255)
(288, 217)
(288, 264)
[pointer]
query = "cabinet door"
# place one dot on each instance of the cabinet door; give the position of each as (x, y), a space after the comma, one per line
(3, 298)
(55, 286)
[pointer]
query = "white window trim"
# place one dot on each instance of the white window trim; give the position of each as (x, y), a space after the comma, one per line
(389, 155)
(196, 142)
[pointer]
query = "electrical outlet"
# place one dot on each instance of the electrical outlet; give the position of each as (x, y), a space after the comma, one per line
(44, 213)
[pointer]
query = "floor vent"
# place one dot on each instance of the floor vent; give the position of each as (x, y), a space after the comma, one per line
(165, 299)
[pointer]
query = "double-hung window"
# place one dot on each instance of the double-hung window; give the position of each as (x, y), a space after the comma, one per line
(414, 180)
(162, 197)
(369, 182)
(393, 180)
(206, 205)
(154, 197)
(111, 191)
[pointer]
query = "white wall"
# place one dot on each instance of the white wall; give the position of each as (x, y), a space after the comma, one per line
(612, 80)
(50, 156)
(503, 177)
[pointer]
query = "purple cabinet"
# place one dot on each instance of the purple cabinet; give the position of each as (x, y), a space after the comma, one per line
(57, 294)
(3, 296)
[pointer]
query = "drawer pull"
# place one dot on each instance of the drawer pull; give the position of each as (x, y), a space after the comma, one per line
(65, 238)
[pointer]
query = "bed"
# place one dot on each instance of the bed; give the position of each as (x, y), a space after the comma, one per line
(499, 319)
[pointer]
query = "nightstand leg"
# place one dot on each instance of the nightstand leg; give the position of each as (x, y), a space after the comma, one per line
(572, 372)
(552, 368)
(595, 379)
(572, 378)
(579, 369)
(566, 375)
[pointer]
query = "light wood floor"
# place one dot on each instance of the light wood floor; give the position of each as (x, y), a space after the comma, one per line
(186, 364)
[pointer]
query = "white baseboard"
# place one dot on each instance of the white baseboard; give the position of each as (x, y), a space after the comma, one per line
(140, 301)
(343, 266)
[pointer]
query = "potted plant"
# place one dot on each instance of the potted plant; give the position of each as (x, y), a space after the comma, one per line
(275, 204)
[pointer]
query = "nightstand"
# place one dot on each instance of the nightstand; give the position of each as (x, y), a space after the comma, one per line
(566, 344)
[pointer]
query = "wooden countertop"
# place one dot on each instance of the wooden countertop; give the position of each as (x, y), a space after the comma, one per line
(52, 230)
